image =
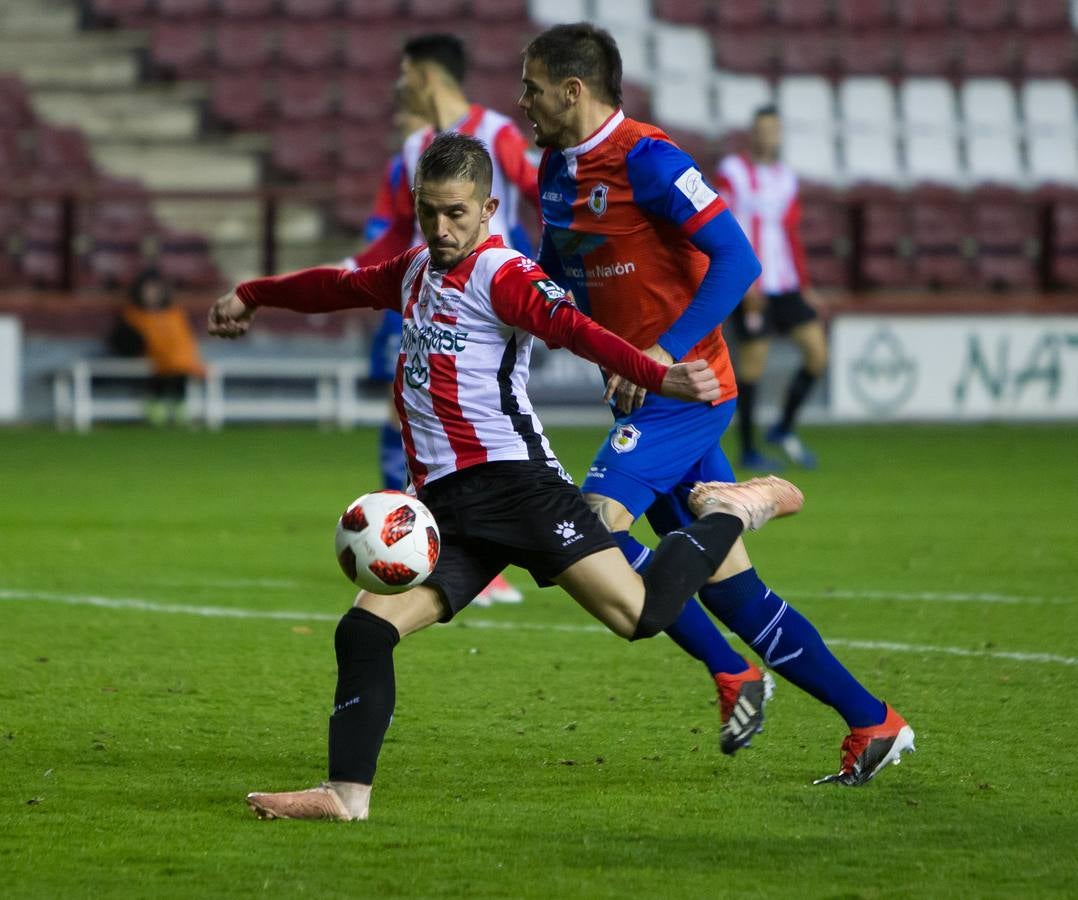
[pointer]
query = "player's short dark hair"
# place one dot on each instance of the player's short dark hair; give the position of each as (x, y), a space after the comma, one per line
(768, 109)
(446, 50)
(453, 156)
(581, 51)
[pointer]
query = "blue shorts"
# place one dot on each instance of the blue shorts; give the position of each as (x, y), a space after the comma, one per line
(385, 348)
(655, 454)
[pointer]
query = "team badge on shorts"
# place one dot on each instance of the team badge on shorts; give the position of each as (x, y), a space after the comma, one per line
(597, 199)
(625, 438)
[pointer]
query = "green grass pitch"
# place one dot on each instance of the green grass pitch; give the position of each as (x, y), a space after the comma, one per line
(532, 754)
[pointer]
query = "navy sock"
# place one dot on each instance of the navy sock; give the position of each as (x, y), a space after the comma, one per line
(693, 632)
(798, 390)
(791, 646)
(391, 457)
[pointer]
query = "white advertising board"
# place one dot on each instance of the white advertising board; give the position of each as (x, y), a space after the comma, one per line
(10, 369)
(954, 367)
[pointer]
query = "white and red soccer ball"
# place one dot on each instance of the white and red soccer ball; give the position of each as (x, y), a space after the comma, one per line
(387, 542)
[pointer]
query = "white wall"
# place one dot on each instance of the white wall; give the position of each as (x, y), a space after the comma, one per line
(10, 368)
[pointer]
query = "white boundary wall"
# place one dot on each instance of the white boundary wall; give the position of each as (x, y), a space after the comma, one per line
(10, 369)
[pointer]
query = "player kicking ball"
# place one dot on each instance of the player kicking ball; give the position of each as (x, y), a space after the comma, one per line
(478, 457)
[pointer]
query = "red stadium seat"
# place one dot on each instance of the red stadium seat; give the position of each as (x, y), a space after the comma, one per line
(982, 15)
(243, 44)
(808, 51)
(687, 12)
(180, 47)
(636, 100)
(16, 110)
(743, 14)
(863, 13)
(749, 50)
(825, 231)
(939, 228)
(239, 98)
(1006, 226)
(930, 53)
(361, 148)
(1064, 237)
(121, 10)
(185, 260)
(304, 96)
(354, 193)
(867, 52)
(497, 90)
(500, 11)
(304, 151)
(986, 53)
(14, 163)
(247, 9)
(370, 48)
(885, 229)
(308, 9)
(366, 97)
(185, 9)
(371, 10)
(61, 155)
(1049, 54)
(803, 13)
(118, 221)
(1042, 15)
(435, 10)
(922, 13)
(308, 45)
(41, 259)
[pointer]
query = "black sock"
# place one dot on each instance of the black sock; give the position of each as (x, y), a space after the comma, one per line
(365, 697)
(684, 560)
(799, 388)
(746, 411)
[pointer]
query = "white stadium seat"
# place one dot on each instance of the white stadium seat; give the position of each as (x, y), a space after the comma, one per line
(1048, 109)
(633, 13)
(806, 106)
(990, 116)
(867, 111)
(635, 59)
(930, 128)
(684, 103)
(738, 97)
(554, 12)
(682, 49)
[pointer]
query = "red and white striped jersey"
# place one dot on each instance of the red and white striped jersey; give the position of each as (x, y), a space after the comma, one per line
(515, 179)
(763, 198)
(462, 373)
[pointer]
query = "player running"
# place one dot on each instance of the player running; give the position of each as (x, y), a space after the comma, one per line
(650, 251)
(478, 457)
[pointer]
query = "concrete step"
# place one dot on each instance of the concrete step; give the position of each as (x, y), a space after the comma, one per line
(196, 167)
(132, 114)
(38, 17)
(239, 222)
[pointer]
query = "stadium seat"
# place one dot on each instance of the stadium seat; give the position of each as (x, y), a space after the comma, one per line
(808, 51)
(929, 122)
(863, 13)
(806, 105)
(681, 50)
(1006, 227)
(500, 11)
(635, 58)
(239, 98)
(703, 150)
(16, 110)
(825, 234)
(502, 43)
(684, 103)
(986, 53)
(305, 96)
(1064, 238)
(366, 96)
(553, 12)
(247, 9)
(636, 100)
(180, 48)
(353, 194)
(427, 11)
(61, 156)
(926, 14)
(304, 151)
(129, 12)
(361, 148)
(185, 9)
(243, 44)
(14, 164)
(498, 90)
(803, 13)
(1042, 15)
(867, 52)
(939, 229)
(308, 9)
(1049, 54)
(982, 15)
(308, 45)
(686, 12)
(885, 236)
(742, 13)
(41, 259)
(372, 48)
(185, 260)
(989, 113)
(738, 98)
(929, 53)
(749, 50)
(1048, 111)
(867, 110)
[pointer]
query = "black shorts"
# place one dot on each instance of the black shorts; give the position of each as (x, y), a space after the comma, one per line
(782, 314)
(524, 513)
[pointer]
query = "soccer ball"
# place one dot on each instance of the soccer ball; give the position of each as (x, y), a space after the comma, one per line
(387, 542)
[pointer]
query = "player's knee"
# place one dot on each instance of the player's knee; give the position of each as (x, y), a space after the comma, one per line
(612, 514)
(363, 635)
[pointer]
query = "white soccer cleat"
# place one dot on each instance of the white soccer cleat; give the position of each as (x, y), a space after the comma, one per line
(754, 502)
(320, 802)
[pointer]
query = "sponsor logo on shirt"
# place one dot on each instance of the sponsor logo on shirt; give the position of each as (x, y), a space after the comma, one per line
(625, 438)
(415, 373)
(597, 199)
(550, 290)
(552, 196)
(691, 183)
(431, 338)
(593, 272)
(439, 301)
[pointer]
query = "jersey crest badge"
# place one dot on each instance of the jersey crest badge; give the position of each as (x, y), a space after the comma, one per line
(597, 199)
(625, 438)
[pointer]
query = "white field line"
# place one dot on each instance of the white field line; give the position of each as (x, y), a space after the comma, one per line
(228, 612)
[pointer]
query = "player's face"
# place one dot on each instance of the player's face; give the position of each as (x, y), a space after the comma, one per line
(767, 137)
(412, 87)
(546, 106)
(453, 219)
